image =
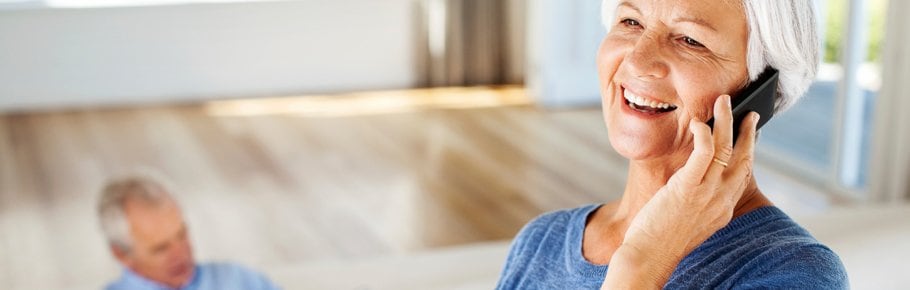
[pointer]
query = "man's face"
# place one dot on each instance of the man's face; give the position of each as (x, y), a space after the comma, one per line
(161, 249)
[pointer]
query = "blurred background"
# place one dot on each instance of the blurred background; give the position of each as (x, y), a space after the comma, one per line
(348, 144)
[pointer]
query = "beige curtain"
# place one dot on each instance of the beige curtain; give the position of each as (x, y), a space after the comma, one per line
(473, 42)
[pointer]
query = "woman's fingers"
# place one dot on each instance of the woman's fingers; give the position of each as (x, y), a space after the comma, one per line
(746, 142)
(744, 153)
(694, 170)
(713, 151)
(723, 137)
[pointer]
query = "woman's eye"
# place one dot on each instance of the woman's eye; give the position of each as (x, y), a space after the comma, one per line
(692, 42)
(630, 22)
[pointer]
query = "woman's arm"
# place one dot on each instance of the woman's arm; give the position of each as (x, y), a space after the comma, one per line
(698, 200)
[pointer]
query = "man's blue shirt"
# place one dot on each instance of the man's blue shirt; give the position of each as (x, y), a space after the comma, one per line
(214, 276)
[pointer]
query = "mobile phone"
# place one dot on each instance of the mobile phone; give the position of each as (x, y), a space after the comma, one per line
(757, 97)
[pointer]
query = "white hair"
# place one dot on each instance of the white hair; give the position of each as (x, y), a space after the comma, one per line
(116, 193)
(783, 35)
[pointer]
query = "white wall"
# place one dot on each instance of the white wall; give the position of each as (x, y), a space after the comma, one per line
(109, 56)
(563, 38)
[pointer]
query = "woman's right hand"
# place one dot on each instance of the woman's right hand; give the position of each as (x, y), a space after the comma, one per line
(698, 200)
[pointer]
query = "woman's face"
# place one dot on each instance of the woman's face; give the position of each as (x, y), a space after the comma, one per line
(672, 59)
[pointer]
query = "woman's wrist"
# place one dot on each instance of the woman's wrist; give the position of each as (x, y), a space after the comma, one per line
(635, 267)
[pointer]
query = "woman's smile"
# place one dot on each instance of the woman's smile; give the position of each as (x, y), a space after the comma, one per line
(644, 104)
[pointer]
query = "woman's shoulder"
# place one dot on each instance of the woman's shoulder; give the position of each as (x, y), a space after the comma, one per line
(764, 249)
(558, 220)
(542, 245)
(797, 265)
(770, 233)
(793, 258)
(768, 226)
(552, 230)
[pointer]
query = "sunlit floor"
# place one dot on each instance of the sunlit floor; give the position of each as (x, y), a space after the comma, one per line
(273, 183)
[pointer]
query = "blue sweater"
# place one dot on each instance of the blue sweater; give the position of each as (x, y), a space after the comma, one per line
(759, 250)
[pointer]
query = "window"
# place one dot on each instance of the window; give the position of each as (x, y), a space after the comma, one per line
(827, 135)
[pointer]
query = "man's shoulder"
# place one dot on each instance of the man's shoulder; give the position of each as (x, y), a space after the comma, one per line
(228, 270)
(224, 267)
(237, 275)
(131, 281)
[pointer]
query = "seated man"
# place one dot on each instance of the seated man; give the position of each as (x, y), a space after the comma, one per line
(144, 227)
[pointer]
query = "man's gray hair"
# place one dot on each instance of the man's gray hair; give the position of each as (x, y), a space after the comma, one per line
(783, 35)
(114, 196)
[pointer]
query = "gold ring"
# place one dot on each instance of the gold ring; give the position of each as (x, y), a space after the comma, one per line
(721, 162)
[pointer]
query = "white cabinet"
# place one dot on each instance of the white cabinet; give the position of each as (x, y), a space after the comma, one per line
(61, 57)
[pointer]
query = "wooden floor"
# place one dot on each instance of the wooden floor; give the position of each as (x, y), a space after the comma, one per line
(278, 181)
(274, 183)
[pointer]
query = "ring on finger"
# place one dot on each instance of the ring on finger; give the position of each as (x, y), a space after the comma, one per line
(721, 162)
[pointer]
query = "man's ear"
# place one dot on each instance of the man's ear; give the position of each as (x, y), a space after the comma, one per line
(121, 254)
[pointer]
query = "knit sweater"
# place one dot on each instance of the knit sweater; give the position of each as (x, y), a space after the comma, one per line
(761, 249)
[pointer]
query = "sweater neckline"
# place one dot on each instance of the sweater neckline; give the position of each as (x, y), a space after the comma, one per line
(580, 266)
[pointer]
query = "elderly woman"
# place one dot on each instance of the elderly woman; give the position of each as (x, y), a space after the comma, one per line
(691, 215)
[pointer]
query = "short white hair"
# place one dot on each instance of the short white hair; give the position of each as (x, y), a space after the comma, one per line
(111, 214)
(783, 35)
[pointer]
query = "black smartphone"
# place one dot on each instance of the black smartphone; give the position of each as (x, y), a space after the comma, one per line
(757, 97)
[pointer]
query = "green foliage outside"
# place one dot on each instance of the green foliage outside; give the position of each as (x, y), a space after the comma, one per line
(836, 17)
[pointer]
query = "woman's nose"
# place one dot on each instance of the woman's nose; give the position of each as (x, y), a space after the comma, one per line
(645, 60)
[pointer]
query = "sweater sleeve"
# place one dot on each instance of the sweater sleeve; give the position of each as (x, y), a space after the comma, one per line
(805, 267)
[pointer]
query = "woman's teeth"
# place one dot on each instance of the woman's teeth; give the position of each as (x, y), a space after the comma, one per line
(647, 104)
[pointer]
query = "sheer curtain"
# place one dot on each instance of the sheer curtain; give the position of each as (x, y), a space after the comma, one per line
(890, 167)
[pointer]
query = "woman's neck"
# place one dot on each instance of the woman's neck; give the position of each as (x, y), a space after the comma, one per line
(644, 180)
(606, 228)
